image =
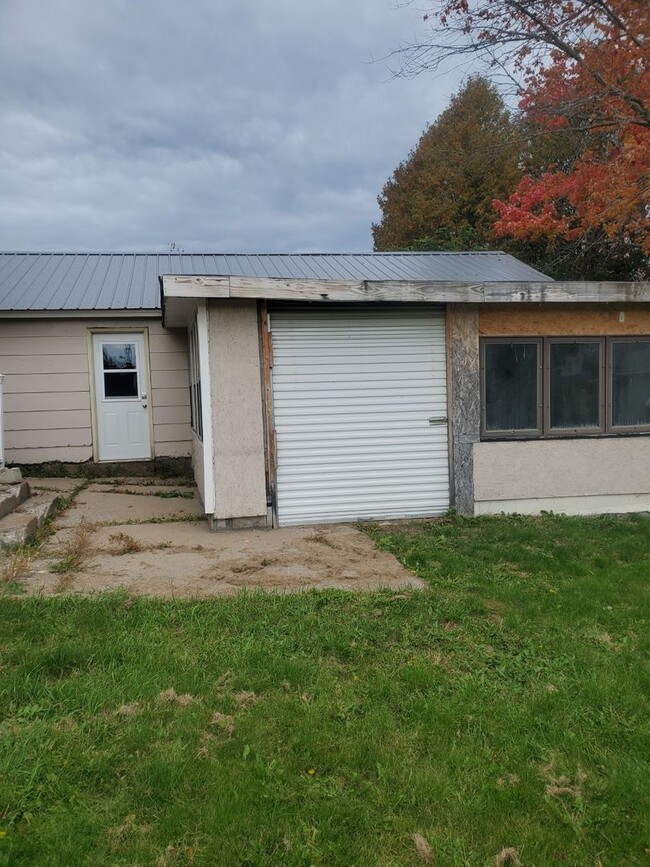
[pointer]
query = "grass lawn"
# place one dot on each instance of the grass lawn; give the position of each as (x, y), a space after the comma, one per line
(504, 707)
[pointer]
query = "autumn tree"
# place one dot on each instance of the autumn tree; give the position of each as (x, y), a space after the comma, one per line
(585, 195)
(518, 37)
(582, 74)
(441, 196)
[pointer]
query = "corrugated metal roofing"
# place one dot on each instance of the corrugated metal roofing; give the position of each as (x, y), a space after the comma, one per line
(129, 281)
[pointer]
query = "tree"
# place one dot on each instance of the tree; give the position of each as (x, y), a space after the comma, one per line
(587, 188)
(519, 37)
(441, 196)
(584, 69)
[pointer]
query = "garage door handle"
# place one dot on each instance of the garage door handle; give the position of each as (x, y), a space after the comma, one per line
(433, 422)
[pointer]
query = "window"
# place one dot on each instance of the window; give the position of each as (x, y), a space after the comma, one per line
(564, 386)
(511, 385)
(120, 369)
(575, 385)
(196, 411)
(630, 383)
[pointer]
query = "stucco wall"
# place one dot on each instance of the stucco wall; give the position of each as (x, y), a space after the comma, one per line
(47, 388)
(237, 411)
(568, 475)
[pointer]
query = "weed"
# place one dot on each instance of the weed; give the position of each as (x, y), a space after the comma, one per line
(165, 495)
(176, 518)
(122, 543)
(18, 558)
(75, 550)
(17, 563)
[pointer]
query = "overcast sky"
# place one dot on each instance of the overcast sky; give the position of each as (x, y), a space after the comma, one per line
(219, 125)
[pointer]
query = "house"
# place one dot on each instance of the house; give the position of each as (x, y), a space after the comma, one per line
(315, 388)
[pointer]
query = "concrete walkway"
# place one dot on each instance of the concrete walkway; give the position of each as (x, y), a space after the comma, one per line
(149, 537)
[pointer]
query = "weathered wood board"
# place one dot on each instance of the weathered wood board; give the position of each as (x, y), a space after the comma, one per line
(406, 291)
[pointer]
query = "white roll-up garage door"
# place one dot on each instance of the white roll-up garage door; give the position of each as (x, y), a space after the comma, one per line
(360, 406)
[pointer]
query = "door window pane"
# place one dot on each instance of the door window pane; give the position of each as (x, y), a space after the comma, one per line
(511, 398)
(630, 384)
(120, 384)
(119, 356)
(575, 385)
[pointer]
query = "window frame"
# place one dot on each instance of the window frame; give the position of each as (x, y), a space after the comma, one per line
(544, 430)
(196, 408)
(621, 429)
(552, 432)
(528, 433)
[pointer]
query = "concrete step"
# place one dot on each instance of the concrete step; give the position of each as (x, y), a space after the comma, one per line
(11, 496)
(10, 475)
(18, 526)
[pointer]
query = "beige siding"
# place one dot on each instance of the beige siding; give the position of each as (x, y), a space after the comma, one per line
(568, 475)
(47, 387)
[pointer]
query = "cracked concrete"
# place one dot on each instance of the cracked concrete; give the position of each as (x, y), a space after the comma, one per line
(155, 547)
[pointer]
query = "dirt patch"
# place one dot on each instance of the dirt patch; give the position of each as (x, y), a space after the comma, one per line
(187, 560)
(246, 699)
(507, 856)
(170, 696)
(423, 848)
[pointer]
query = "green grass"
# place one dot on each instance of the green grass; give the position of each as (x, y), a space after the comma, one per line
(505, 706)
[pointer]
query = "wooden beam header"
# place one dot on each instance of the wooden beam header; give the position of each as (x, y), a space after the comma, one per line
(413, 291)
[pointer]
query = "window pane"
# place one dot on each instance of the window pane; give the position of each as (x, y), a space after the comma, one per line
(511, 401)
(575, 385)
(120, 385)
(631, 384)
(119, 356)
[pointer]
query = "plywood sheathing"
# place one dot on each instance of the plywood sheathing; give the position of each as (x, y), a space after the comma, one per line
(506, 320)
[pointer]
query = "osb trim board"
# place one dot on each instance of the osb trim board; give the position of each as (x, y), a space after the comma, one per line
(554, 321)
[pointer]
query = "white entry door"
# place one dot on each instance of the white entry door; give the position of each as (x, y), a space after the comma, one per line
(360, 407)
(121, 397)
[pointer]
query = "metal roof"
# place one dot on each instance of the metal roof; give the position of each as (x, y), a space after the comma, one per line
(130, 281)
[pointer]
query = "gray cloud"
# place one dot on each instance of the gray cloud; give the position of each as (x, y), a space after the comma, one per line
(225, 125)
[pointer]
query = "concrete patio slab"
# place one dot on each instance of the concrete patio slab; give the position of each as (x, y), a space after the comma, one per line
(151, 545)
(188, 560)
(108, 506)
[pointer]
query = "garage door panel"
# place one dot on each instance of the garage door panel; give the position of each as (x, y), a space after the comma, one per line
(353, 393)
